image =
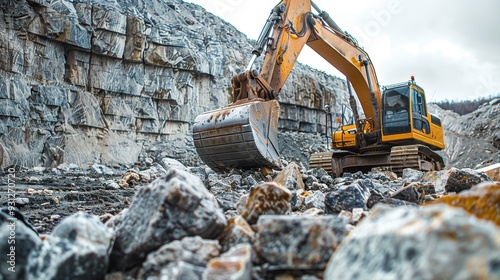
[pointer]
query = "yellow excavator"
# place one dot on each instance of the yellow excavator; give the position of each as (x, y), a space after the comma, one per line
(396, 132)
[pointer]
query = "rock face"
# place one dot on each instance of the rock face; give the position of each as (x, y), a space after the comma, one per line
(170, 208)
(110, 82)
(398, 243)
(470, 139)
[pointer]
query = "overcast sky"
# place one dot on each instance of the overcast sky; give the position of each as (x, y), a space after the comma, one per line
(451, 47)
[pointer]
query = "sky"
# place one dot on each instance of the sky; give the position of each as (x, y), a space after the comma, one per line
(452, 47)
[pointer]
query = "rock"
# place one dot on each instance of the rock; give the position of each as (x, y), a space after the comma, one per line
(454, 179)
(154, 172)
(309, 181)
(228, 200)
(412, 175)
(240, 205)
(237, 231)
(383, 176)
(217, 185)
(19, 240)
(316, 200)
(200, 172)
(129, 177)
(317, 186)
(99, 170)
(78, 248)
(463, 179)
(376, 198)
(290, 177)
(347, 198)
(267, 198)
(190, 250)
(112, 185)
(21, 201)
(168, 163)
(236, 264)
(293, 242)
(170, 208)
(297, 201)
(410, 193)
(313, 212)
(180, 270)
(389, 244)
(482, 201)
(493, 171)
(496, 140)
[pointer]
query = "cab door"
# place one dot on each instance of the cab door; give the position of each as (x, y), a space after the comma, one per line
(420, 121)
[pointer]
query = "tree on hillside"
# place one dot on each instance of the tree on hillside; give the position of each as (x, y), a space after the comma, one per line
(466, 106)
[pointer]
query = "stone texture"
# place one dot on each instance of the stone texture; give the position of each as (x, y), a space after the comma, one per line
(141, 70)
(463, 179)
(454, 179)
(435, 242)
(170, 208)
(236, 264)
(267, 198)
(315, 200)
(17, 235)
(468, 138)
(482, 201)
(412, 175)
(180, 270)
(237, 231)
(194, 251)
(348, 197)
(290, 177)
(78, 248)
(293, 242)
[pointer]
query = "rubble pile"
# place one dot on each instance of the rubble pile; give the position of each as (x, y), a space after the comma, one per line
(192, 223)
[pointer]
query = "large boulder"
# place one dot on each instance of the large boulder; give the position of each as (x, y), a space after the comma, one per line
(18, 240)
(168, 209)
(78, 248)
(434, 242)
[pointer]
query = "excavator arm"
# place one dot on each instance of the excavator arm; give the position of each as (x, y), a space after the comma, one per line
(244, 134)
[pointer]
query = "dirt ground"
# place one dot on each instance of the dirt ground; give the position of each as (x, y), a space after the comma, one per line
(46, 198)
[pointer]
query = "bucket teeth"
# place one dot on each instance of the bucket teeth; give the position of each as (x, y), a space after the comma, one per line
(243, 136)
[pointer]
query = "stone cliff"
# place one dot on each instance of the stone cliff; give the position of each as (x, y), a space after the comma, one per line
(112, 81)
(471, 140)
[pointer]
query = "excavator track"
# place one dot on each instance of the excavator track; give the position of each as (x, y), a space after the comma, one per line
(417, 157)
(395, 158)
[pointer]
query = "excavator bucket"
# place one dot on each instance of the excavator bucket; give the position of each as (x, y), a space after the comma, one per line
(241, 136)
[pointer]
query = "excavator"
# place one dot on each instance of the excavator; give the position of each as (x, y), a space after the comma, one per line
(396, 131)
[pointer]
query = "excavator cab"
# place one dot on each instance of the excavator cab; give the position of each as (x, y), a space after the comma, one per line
(405, 118)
